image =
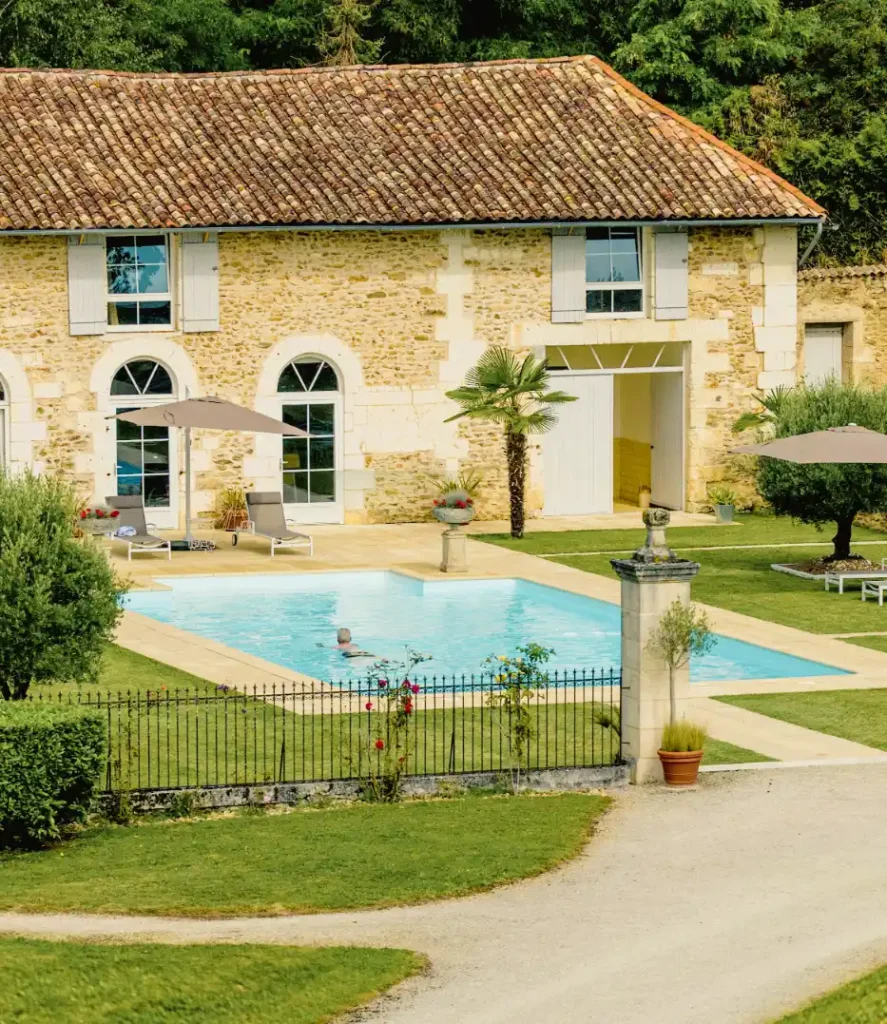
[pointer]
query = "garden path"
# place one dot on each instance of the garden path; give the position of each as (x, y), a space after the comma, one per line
(731, 903)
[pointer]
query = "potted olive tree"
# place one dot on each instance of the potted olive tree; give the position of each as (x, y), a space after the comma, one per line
(682, 631)
(723, 503)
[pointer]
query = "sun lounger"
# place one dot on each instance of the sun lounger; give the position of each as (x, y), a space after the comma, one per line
(132, 513)
(266, 519)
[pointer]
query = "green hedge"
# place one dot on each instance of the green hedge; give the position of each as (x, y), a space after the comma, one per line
(51, 758)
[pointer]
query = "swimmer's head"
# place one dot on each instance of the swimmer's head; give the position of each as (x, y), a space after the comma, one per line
(343, 636)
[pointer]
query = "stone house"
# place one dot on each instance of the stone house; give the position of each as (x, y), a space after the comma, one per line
(338, 246)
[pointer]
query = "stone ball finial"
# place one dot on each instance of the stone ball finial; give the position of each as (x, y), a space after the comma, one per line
(660, 517)
(655, 548)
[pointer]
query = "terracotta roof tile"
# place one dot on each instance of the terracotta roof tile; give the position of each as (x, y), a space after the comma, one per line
(836, 273)
(507, 141)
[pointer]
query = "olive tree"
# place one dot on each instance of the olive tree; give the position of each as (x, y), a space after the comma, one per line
(820, 492)
(59, 597)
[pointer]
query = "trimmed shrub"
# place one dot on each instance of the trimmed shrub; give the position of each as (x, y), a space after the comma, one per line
(51, 758)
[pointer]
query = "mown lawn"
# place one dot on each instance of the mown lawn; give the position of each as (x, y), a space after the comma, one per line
(743, 581)
(863, 1001)
(749, 529)
(722, 752)
(362, 855)
(858, 715)
(48, 982)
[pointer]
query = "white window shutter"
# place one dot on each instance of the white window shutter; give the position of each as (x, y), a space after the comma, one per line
(87, 285)
(200, 282)
(567, 275)
(671, 275)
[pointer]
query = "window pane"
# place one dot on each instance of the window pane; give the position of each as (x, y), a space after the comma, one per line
(626, 267)
(296, 416)
(598, 302)
(121, 250)
(326, 379)
(155, 313)
(122, 384)
(295, 453)
(155, 433)
(323, 486)
(156, 455)
(160, 383)
(623, 240)
(156, 491)
(152, 278)
(141, 370)
(597, 235)
(627, 301)
(320, 419)
(151, 248)
(307, 370)
(289, 380)
(122, 313)
(129, 458)
(597, 268)
(322, 453)
(129, 484)
(295, 488)
(122, 280)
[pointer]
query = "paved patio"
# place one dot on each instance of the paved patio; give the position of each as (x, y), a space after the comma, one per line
(414, 549)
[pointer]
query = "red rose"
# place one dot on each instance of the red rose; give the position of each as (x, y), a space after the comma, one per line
(83, 513)
(115, 513)
(415, 688)
(383, 683)
(380, 744)
(405, 684)
(99, 514)
(369, 705)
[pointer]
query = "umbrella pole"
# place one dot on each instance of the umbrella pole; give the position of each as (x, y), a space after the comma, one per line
(188, 484)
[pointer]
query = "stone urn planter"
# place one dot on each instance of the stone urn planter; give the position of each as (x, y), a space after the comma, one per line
(453, 517)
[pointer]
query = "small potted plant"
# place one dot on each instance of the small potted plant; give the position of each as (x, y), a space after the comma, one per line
(723, 502)
(454, 507)
(680, 752)
(231, 513)
(682, 631)
(97, 520)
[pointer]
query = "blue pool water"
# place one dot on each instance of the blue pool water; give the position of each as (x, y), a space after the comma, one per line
(292, 620)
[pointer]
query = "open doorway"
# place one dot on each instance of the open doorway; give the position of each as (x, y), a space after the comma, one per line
(624, 437)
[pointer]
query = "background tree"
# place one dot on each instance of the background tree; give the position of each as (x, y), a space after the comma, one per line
(343, 44)
(58, 596)
(513, 393)
(822, 492)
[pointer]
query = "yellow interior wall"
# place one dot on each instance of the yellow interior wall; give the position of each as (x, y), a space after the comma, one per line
(632, 433)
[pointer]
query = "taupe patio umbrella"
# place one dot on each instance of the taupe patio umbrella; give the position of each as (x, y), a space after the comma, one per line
(205, 414)
(836, 444)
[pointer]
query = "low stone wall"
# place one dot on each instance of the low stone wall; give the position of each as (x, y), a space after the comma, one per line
(543, 780)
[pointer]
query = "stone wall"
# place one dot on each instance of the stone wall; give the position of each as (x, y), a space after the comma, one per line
(402, 315)
(855, 298)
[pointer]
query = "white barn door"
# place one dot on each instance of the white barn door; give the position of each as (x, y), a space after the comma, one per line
(578, 451)
(667, 466)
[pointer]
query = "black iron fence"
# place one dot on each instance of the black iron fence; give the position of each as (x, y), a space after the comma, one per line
(222, 736)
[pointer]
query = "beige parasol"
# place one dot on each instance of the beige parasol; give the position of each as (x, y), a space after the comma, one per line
(836, 444)
(205, 414)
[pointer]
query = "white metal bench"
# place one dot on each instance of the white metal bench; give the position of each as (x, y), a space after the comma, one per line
(862, 575)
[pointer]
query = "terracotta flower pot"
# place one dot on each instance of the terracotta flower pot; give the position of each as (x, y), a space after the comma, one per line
(680, 769)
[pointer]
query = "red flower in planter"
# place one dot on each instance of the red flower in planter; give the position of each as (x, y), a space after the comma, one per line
(99, 514)
(83, 513)
(461, 504)
(369, 705)
(380, 744)
(115, 513)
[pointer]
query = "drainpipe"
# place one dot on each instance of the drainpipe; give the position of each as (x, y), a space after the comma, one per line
(813, 243)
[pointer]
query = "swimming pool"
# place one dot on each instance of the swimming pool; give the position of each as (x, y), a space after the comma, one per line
(291, 619)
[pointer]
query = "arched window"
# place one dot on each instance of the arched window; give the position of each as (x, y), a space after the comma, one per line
(4, 421)
(143, 457)
(312, 402)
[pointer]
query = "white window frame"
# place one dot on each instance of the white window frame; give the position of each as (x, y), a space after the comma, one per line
(167, 296)
(616, 286)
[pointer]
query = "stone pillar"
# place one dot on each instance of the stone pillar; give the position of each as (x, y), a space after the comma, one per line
(652, 579)
(454, 558)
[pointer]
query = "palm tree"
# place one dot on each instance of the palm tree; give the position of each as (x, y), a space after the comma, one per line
(504, 389)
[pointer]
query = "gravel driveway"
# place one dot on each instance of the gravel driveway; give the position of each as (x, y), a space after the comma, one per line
(732, 903)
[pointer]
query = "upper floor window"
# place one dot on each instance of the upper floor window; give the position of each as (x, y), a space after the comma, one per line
(138, 276)
(142, 377)
(613, 284)
(307, 373)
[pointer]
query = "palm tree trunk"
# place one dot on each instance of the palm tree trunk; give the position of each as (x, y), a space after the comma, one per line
(516, 455)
